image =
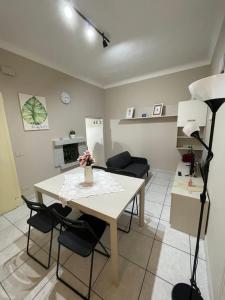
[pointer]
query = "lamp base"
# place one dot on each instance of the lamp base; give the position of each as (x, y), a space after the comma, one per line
(183, 291)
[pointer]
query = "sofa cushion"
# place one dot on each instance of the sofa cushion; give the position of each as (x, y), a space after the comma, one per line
(139, 170)
(119, 161)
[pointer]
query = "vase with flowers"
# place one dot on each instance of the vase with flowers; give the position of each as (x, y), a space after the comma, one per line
(86, 161)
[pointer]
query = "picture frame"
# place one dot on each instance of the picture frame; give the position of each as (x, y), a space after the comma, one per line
(130, 113)
(222, 64)
(157, 110)
(33, 112)
(144, 115)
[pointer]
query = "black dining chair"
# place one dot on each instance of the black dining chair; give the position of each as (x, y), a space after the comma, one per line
(134, 202)
(81, 237)
(44, 222)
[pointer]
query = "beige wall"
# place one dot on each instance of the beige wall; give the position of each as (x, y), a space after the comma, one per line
(33, 149)
(216, 236)
(153, 140)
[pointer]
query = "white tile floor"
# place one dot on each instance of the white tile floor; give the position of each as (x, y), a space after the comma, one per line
(152, 258)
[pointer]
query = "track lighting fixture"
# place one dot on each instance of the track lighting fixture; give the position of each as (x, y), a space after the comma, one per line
(105, 40)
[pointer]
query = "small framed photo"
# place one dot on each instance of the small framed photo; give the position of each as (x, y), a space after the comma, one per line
(157, 110)
(144, 115)
(130, 113)
(222, 65)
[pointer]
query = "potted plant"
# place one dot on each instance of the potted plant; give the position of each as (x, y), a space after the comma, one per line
(86, 161)
(72, 134)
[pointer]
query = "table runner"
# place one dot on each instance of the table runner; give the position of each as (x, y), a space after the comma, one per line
(74, 187)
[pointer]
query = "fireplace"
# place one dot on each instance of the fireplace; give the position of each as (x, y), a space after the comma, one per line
(70, 153)
(67, 151)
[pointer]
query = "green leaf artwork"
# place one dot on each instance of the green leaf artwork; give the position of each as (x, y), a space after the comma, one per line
(34, 112)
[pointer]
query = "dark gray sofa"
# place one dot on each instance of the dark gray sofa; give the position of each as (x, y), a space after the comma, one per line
(124, 163)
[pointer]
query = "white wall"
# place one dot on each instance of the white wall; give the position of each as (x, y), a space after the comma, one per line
(155, 140)
(33, 149)
(216, 187)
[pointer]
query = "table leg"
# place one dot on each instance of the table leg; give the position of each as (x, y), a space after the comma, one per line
(142, 206)
(39, 196)
(114, 252)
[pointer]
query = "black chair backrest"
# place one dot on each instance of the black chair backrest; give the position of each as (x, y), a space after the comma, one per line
(36, 206)
(67, 222)
(76, 224)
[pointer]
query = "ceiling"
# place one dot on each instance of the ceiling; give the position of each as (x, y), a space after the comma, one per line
(148, 37)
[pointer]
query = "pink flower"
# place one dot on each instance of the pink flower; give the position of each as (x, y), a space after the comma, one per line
(86, 159)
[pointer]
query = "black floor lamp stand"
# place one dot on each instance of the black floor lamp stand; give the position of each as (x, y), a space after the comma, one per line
(183, 291)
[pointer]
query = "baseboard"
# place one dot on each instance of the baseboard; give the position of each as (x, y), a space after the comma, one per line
(209, 273)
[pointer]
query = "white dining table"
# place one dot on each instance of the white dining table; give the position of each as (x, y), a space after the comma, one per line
(107, 207)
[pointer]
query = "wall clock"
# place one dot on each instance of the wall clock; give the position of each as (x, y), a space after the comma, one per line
(65, 98)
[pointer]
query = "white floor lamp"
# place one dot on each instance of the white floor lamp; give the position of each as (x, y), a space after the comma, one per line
(211, 90)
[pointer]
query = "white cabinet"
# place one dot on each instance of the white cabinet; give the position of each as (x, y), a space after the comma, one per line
(185, 203)
(192, 110)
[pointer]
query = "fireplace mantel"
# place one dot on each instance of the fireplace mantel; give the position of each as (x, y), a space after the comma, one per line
(59, 152)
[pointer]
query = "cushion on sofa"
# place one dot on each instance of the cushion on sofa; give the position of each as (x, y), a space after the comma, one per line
(119, 161)
(139, 170)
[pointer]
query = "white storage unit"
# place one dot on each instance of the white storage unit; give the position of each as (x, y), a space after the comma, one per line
(192, 110)
(185, 203)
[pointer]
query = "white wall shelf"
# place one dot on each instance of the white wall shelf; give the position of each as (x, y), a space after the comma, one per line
(151, 118)
(194, 148)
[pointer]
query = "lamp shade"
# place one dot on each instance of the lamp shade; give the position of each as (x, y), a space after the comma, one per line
(209, 88)
(190, 128)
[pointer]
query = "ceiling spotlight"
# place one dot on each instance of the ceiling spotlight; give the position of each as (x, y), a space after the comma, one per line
(68, 11)
(90, 32)
(104, 42)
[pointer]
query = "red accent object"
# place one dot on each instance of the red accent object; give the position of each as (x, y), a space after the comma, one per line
(187, 158)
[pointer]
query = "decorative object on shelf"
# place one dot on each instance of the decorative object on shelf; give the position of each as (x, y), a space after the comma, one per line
(86, 161)
(144, 115)
(211, 90)
(157, 110)
(222, 64)
(72, 134)
(65, 98)
(34, 112)
(130, 113)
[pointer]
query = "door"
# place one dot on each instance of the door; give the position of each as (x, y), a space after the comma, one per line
(9, 186)
(95, 139)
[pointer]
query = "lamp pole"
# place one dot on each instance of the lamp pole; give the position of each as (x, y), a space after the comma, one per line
(182, 291)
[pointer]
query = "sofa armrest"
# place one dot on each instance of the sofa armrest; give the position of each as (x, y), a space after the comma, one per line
(139, 160)
(121, 172)
(99, 167)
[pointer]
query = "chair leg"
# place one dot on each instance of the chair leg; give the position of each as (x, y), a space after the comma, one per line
(134, 213)
(131, 217)
(136, 207)
(67, 284)
(49, 254)
(105, 253)
(50, 249)
(90, 278)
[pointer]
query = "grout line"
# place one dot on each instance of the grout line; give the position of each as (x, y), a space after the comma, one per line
(5, 290)
(160, 277)
(146, 269)
(172, 246)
